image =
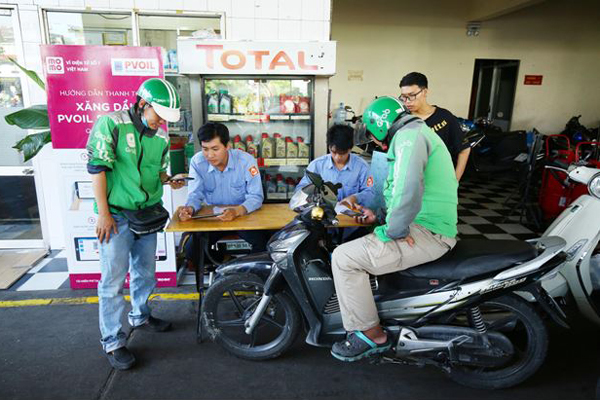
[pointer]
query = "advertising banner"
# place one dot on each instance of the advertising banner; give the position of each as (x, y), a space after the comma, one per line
(84, 82)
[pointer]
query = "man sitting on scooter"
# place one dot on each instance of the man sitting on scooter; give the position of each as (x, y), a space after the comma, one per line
(420, 226)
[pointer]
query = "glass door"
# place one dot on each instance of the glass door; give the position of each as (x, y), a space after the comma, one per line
(269, 118)
(20, 225)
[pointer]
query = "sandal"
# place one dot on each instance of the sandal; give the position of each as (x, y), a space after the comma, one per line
(358, 346)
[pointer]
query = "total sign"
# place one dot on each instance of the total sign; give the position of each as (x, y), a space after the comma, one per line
(223, 57)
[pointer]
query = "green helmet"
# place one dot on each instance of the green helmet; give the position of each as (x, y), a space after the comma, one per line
(162, 96)
(379, 116)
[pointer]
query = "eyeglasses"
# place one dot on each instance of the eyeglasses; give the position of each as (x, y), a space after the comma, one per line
(410, 97)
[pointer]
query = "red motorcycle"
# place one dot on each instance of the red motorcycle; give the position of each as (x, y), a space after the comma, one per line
(557, 192)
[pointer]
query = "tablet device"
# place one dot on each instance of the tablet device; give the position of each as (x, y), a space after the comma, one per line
(206, 216)
(86, 249)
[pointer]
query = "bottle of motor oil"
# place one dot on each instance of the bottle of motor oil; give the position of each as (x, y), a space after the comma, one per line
(279, 146)
(281, 186)
(238, 144)
(213, 103)
(303, 149)
(270, 185)
(291, 186)
(225, 102)
(291, 148)
(251, 147)
(266, 146)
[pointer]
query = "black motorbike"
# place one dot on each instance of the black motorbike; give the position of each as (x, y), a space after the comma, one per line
(459, 313)
(493, 150)
(577, 133)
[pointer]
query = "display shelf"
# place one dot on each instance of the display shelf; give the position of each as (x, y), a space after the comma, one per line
(278, 162)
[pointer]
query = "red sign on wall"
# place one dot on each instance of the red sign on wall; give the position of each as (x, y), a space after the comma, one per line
(533, 79)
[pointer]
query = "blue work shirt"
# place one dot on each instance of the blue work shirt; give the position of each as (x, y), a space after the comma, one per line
(238, 184)
(355, 177)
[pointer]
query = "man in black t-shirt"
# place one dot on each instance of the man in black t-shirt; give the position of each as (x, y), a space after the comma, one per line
(414, 90)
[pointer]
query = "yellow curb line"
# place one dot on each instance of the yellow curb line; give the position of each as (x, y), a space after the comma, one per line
(91, 300)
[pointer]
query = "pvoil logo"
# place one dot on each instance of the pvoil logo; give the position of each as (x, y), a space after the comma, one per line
(55, 65)
(134, 66)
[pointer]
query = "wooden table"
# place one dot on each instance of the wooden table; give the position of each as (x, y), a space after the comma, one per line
(268, 217)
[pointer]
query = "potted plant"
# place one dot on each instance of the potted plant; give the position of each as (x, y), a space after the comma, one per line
(34, 118)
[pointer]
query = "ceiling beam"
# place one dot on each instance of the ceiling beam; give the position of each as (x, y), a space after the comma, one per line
(482, 10)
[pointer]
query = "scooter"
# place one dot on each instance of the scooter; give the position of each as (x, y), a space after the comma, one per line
(459, 313)
(577, 280)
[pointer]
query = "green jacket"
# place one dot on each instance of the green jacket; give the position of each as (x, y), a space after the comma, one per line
(132, 157)
(421, 186)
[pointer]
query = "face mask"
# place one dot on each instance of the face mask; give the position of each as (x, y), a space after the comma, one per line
(145, 121)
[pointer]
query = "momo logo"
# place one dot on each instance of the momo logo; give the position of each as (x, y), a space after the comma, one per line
(55, 65)
(134, 66)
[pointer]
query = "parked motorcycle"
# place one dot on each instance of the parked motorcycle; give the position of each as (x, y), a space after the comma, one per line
(492, 150)
(578, 278)
(459, 313)
(576, 132)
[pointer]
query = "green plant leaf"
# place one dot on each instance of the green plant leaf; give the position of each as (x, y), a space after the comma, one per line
(30, 145)
(31, 74)
(34, 117)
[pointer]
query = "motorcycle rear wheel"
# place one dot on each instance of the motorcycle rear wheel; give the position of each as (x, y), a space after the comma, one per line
(230, 301)
(522, 324)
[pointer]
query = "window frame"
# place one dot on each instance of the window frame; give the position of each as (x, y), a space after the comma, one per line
(134, 13)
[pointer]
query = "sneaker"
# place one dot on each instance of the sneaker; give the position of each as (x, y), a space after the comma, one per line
(155, 325)
(121, 359)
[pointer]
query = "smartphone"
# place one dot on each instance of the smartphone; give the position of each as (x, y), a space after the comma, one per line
(187, 178)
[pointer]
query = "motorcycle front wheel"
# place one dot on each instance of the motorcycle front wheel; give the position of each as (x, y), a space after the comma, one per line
(519, 321)
(231, 300)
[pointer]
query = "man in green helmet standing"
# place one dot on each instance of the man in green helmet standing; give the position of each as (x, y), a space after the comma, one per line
(419, 226)
(128, 156)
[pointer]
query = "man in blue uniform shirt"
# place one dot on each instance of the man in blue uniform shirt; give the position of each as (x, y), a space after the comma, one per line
(340, 166)
(224, 176)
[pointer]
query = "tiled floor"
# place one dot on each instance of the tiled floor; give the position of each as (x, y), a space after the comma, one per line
(49, 274)
(482, 214)
(485, 213)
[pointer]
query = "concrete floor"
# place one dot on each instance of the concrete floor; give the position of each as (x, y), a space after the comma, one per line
(53, 352)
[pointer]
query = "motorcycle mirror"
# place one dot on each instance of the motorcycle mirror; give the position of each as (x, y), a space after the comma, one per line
(315, 179)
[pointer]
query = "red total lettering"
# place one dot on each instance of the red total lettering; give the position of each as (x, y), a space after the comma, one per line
(258, 57)
(302, 63)
(241, 59)
(281, 59)
(210, 56)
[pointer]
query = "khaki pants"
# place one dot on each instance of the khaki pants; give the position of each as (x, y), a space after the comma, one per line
(352, 262)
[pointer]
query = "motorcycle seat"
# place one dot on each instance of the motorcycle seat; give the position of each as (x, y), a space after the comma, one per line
(473, 257)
